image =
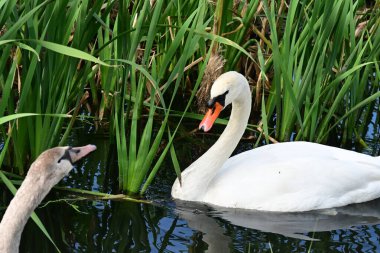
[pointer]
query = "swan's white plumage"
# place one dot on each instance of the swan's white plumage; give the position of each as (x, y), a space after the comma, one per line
(295, 176)
(285, 177)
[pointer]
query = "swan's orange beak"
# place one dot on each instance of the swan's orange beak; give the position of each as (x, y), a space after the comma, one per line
(210, 117)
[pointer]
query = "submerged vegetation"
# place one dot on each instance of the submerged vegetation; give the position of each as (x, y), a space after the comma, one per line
(134, 67)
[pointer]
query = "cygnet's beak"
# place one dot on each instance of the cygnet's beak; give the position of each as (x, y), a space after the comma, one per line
(77, 153)
(210, 117)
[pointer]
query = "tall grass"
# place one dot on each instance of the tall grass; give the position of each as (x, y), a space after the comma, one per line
(325, 69)
(40, 80)
(125, 62)
(156, 51)
(313, 67)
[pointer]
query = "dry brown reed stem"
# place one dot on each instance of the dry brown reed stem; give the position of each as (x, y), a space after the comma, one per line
(259, 88)
(266, 46)
(244, 9)
(236, 4)
(264, 22)
(259, 8)
(3, 30)
(213, 70)
(18, 79)
(170, 28)
(273, 140)
(233, 31)
(262, 36)
(82, 101)
(360, 27)
(280, 10)
(192, 64)
(216, 26)
(263, 29)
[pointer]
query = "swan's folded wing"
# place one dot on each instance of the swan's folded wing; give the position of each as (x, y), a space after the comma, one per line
(296, 183)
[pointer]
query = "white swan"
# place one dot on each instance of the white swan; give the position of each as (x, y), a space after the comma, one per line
(284, 177)
(48, 169)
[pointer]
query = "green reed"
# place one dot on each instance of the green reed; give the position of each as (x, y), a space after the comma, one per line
(320, 71)
(126, 61)
(313, 70)
(325, 76)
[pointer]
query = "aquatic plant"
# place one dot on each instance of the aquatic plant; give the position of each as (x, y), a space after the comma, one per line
(322, 63)
(134, 67)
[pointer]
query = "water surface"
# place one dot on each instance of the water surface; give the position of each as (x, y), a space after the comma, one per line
(85, 225)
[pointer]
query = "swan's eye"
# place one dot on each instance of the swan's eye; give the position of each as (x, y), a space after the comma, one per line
(221, 99)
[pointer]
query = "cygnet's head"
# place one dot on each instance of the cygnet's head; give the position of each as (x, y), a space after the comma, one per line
(53, 164)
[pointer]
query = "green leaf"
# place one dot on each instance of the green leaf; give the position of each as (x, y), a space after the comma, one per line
(8, 118)
(69, 51)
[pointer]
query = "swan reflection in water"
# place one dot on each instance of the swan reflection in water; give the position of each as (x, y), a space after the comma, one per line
(294, 225)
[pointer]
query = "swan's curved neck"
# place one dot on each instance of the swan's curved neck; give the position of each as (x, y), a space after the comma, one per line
(196, 178)
(27, 198)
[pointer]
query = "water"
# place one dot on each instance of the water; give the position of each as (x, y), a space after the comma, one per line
(79, 224)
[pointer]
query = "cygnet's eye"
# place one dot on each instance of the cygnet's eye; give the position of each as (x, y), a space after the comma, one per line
(66, 155)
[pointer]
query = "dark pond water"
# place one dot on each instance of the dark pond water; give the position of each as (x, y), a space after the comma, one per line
(83, 225)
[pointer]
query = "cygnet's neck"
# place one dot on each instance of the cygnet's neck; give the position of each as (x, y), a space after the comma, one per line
(30, 194)
(196, 178)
